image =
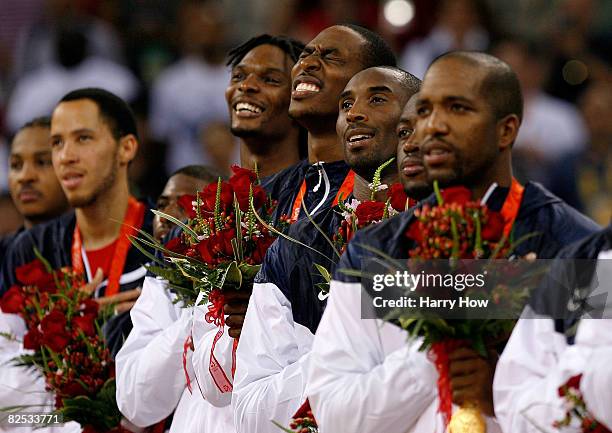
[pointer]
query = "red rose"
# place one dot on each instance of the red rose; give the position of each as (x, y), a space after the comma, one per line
(259, 196)
(217, 247)
(53, 323)
(13, 301)
(84, 323)
(186, 202)
(241, 186)
(206, 250)
(243, 172)
(31, 273)
(369, 211)
(261, 246)
(89, 306)
(398, 197)
(456, 194)
(209, 195)
(32, 340)
(176, 245)
(494, 228)
(56, 341)
(224, 242)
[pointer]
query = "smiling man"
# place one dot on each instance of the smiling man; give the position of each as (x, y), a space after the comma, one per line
(150, 376)
(324, 67)
(286, 306)
(258, 98)
(33, 185)
(367, 375)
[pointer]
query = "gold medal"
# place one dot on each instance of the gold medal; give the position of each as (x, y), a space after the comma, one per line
(468, 419)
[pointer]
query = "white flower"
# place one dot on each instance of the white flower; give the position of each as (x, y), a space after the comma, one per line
(381, 187)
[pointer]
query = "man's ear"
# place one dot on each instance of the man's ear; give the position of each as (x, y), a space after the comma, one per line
(507, 130)
(128, 146)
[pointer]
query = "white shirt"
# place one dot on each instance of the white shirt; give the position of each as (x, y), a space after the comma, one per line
(272, 360)
(366, 376)
(20, 385)
(151, 382)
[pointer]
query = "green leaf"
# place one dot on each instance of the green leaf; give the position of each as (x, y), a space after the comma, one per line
(232, 277)
(176, 221)
(324, 272)
(274, 230)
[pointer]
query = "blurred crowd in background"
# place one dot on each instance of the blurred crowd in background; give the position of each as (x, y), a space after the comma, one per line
(167, 58)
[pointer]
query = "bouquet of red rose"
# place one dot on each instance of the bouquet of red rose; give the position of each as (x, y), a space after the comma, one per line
(454, 231)
(222, 244)
(576, 410)
(64, 334)
(359, 214)
(221, 248)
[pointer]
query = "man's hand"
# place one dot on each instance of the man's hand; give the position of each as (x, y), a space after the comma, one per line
(90, 287)
(236, 302)
(123, 301)
(472, 378)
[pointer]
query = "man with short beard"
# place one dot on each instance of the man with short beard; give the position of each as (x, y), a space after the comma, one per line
(93, 140)
(286, 305)
(151, 382)
(258, 98)
(367, 375)
(34, 187)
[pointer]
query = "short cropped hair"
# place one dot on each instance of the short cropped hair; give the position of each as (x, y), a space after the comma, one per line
(377, 52)
(38, 122)
(500, 86)
(115, 111)
(201, 172)
(290, 46)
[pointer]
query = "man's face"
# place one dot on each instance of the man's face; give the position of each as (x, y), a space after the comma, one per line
(455, 124)
(409, 156)
(177, 185)
(84, 151)
(35, 190)
(370, 106)
(325, 66)
(259, 93)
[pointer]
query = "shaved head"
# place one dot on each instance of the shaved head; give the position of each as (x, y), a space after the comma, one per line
(500, 85)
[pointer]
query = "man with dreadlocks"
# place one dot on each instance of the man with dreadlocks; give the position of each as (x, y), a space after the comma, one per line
(153, 362)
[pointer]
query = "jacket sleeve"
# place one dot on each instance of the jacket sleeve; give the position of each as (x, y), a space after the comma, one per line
(204, 334)
(536, 361)
(271, 359)
(149, 366)
(353, 385)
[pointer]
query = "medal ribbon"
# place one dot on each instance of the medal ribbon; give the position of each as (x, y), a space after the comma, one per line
(511, 206)
(345, 189)
(134, 217)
